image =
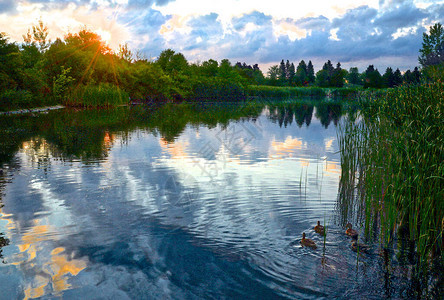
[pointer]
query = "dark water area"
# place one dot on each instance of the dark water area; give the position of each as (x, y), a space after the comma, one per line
(181, 202)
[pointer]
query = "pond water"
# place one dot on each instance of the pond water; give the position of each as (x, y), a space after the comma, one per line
(178, 202)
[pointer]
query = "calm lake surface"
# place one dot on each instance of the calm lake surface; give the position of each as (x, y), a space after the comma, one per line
(179, 202)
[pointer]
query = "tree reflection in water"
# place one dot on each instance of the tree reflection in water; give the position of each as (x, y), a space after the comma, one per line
(88, 134)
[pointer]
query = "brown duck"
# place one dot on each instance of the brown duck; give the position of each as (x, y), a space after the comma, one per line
(307, 242)
(351, 232)
(319, 229)
(355, 246)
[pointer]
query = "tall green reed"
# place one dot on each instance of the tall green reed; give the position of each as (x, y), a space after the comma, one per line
(284, 92)
(392, 157)
(287, 92)
(102, 95)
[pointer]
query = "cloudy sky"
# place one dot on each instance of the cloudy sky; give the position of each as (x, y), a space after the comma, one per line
(354, 32)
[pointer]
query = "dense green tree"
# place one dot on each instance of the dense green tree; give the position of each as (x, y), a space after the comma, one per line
(258, 76)
(171, 62)
(209, 68)
(353, 76)
(432, 51)
(11, 65)
(397, 78)
(388, 78)
(373, 78)
(242, 73)
(416, 75)
(251, 73)
(291, 74)
(330, 76)
(328, 66)
(164, 58)
(407, 77)
(322, 78)
(30, 55)
(410, 77)
(149, 80)
(287, 70)
(88, 57)
(301, 74)
(310, 73)
(273, 74)
(21, 77)
(178, 63)
(86, 40)
(282, 73)
(337, 78)
(226, 70)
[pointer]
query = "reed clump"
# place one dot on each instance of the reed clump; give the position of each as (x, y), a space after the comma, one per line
(392, 167)
(102, 95)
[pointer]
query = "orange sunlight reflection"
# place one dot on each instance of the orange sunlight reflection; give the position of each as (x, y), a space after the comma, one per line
(108, 140)
(176, 149)
(50, 271)
(286, 148)
(332, 167)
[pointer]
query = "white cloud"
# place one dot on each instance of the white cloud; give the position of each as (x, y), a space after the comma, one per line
(285, 28)
(333, 34)
(177, 24)
(279, 9)
(400, 32)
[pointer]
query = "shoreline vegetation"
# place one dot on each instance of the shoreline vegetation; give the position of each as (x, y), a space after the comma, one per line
(80, 70)
(392, 177)
(251, 94)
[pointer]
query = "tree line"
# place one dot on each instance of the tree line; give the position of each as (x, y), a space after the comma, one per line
(330, 76)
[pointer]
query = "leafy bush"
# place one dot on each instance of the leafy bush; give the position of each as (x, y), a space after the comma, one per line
(345, 92)
(61, 84)
(218, 90)
(11, 99)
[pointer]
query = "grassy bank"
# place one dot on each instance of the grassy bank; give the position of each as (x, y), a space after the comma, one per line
(265, 91)
(393, 170)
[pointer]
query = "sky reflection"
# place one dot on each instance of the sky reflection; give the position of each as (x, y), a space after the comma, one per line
(159, 218)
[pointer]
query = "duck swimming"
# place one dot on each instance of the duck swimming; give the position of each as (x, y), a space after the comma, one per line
(351, 232)
(319, 229)
(307, 242)
(355, 246)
